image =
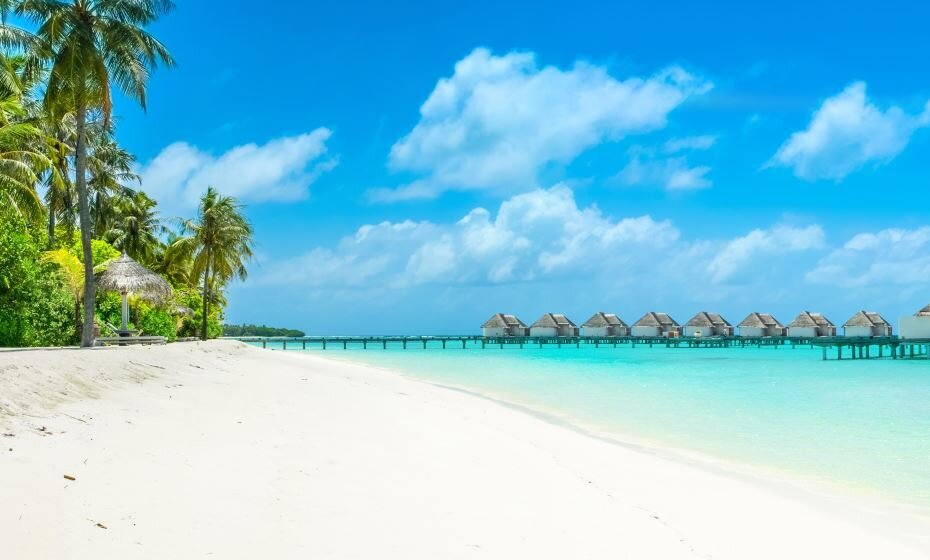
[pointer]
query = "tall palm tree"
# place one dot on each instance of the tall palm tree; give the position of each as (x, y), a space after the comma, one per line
(219, 242)
(92, 45)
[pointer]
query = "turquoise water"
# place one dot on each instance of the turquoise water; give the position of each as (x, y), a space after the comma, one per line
(861, 425)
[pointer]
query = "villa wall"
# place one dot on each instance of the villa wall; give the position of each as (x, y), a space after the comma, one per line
(493, 331)
(752, 331)
(693, 331)
(802, 331)
(544, 331)
(645, 331)
(914, 327)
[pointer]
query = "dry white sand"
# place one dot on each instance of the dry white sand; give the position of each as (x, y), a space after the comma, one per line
(224, 451)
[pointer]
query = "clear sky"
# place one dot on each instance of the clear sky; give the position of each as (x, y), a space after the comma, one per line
(414, 167)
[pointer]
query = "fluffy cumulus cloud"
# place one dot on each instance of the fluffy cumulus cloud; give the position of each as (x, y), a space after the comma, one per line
(279, 170)
(539, 236)
(499, 119)
(739, 252)
(890, 257)
(847, 132)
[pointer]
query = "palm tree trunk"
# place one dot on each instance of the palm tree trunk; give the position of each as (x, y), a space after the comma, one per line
(206, 308)
(80, 168)
(51, 226)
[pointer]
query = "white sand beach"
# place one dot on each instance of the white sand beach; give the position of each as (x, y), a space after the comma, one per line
(226, 451)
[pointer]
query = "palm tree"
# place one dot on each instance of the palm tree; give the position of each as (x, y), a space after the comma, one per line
(136, 227)
(20, 162)
(92, 45)
(219, 242)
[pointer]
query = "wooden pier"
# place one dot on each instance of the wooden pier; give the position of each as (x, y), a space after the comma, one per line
(834, 347)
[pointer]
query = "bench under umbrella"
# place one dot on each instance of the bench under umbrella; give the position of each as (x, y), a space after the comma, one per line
(126, 276)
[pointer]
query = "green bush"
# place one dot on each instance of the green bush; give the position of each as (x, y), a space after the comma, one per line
(154, 321)
(36, 309)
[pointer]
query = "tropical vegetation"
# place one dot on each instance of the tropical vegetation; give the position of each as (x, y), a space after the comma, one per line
(70, 199)
(259, 330)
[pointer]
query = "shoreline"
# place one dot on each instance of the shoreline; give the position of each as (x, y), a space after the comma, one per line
(863, 505)
(228, 449)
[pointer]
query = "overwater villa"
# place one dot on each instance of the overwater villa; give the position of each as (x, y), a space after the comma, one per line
(811, 325)
(605, 324)
(553, 324)
(867, 323)
(761, 325)
(915, 326)
(501, 324)
(708, 324)
(656, 324)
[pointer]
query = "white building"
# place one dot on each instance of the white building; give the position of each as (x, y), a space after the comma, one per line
(811, 325)
(917, 326)
(761, 325)
(656, 324)
(605, 324)
(501, 324)
(707, 324)
(553, 324)
(867, 324)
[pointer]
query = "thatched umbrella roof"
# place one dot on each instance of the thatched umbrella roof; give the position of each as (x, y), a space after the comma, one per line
(126, 275)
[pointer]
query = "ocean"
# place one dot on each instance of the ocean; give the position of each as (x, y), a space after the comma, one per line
(858, 426)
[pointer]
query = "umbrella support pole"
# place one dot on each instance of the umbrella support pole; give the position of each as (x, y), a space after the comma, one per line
(124, 326)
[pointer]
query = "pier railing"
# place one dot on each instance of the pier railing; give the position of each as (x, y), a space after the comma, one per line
(834, 347)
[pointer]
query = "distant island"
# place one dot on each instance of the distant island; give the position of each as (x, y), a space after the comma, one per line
(256, 330)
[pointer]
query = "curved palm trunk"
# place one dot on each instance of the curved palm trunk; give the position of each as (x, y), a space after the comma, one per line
(80, 168)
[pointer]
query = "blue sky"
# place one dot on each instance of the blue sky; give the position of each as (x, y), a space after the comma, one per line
(411, 167)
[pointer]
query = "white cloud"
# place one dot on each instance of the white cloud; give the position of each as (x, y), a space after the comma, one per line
(847, 132)
(778, 240)
(703, 142)
(537, 234)
(890, 257)
(541, 235)
(499, 119)
(279, 170)
(670, 173)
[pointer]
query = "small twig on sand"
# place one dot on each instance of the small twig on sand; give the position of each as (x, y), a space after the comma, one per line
(69, 477)
(76, 418)
(101, 525)
(146, 365)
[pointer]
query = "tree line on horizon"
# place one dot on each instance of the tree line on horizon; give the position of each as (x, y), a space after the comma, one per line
(70, 200)
(259, 330)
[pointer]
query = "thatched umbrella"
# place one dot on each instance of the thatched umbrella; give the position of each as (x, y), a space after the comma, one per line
(124, 275)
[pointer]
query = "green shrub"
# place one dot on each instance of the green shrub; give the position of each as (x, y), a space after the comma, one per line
(36, 309)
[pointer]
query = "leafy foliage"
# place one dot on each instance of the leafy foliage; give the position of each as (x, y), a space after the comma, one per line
(35, 307)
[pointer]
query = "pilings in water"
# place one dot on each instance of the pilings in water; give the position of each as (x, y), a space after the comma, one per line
(837, 347)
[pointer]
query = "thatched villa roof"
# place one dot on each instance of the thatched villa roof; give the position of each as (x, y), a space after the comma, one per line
(867, 319)
(501, 321)
(705, 319)
(809, 319)
(601, 319)
(126, 275)
(760, 320)
(553, 320)
(925, 312)
(654, 319)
